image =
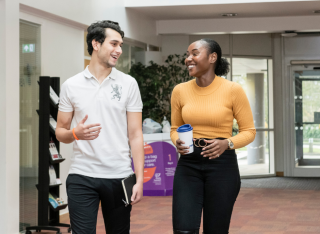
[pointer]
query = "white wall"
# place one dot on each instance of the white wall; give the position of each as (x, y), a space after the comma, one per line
(9, 116)
(252, 44)
(222, 39)
(135, 25)
(3, 107)
(62, 55)
(174, 44)
(278, 105)
(145, 57)
(302, 47)
(238, 25)
(240, 44)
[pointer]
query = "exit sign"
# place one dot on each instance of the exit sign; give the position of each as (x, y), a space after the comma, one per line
(28, 48)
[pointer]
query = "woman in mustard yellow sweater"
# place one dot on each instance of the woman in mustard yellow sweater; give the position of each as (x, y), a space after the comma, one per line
(207, 180)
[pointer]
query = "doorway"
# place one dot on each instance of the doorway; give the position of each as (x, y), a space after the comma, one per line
(307, 117)
(302, 124)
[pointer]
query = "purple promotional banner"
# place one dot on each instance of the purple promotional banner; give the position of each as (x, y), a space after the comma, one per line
(159, 168)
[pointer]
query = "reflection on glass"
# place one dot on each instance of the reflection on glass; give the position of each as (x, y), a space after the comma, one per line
(307, 118)
(249, 152)
(311, 141)
(30, 57)
(311, 101)
(252, 75)
(129, 56)
(124, 60)
(137, 54)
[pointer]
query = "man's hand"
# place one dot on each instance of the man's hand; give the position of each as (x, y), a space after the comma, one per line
(214, 148)
(136, 142)
(87, 132)
(137, 193)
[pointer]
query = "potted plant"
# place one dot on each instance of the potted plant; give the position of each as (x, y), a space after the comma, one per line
(156, 83)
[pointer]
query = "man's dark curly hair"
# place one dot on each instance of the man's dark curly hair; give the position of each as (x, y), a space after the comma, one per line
(97, 31)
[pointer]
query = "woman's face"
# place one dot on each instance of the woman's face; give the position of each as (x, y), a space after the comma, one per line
(198, 61)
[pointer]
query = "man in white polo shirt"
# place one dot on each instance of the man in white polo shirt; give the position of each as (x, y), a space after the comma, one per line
(105, 105)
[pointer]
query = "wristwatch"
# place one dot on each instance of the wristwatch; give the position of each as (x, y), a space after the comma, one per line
(230, 144)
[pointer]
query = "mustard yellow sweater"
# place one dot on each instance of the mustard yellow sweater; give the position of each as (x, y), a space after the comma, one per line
(210, 111)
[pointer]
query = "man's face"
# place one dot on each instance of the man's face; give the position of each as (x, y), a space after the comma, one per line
(110, 50)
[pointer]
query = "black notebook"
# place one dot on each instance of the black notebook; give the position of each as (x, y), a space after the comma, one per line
(127, 184)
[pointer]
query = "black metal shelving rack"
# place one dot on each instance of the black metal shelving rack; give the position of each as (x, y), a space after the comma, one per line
(48, 217)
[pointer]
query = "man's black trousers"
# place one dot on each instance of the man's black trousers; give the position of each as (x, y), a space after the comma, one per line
(84, 196)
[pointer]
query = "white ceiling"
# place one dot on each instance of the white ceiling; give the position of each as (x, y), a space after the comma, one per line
(244, 10)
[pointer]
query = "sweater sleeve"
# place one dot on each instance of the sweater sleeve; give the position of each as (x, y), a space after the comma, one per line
(176, 114)
(243, 114)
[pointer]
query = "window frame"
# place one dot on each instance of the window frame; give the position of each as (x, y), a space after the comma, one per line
(270, 129)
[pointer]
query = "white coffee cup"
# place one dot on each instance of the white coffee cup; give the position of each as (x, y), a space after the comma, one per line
(185, 133)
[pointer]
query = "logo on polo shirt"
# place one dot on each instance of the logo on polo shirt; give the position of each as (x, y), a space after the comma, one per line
(117, 90)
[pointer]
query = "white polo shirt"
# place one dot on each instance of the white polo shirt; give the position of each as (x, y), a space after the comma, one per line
(107, 103)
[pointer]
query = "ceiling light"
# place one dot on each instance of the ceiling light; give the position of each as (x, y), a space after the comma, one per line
(229, 14)
(289, 34)
(316, 12)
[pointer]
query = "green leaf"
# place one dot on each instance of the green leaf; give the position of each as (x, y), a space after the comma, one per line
(156, 83)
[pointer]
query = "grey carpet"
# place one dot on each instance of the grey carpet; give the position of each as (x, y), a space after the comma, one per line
(282, 183)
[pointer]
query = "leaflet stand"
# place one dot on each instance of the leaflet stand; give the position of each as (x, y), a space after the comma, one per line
(47, 219)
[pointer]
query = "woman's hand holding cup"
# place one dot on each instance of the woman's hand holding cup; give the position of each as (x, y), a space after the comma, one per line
(180, 148)
(185, 142)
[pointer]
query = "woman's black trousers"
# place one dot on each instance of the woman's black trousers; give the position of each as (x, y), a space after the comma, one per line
(205, 185)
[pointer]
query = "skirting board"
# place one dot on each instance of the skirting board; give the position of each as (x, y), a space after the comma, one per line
(279, 173)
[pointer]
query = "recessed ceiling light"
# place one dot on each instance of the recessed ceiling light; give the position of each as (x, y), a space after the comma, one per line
(316, 12)
(229, 14)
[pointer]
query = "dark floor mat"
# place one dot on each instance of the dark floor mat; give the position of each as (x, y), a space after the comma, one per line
(282, 183)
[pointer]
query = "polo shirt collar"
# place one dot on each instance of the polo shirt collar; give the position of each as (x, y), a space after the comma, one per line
(88, 74)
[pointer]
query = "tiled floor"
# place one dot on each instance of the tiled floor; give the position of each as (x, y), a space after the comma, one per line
(257, 211)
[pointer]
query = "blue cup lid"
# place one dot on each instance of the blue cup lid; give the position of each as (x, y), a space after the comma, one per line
(184, 128)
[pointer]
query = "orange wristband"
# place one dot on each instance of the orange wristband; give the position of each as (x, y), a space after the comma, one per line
(75, 137)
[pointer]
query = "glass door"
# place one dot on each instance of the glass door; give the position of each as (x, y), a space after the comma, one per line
(307, 118)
